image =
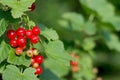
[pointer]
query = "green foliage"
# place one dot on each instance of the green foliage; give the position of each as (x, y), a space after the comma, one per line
(106, 12)
(2, 67)
(50, 34)
(18, 6)
(55, 50)
(48, 63)
(93, 29)
(50, 75)
(18, 60)
(13, 73)
(3, 26)
(76, 22)
(86, 68)
(4, 50)
(73, 21)
(112, 41)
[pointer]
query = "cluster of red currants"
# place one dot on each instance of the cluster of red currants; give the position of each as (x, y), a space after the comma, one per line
(36, 60)
(18, 38)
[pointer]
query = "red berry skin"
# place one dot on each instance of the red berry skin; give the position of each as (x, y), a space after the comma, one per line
(73, 63)
(21, 42)
(32, 61)
(28, 34)
(20, 32)
(23, 47)
(38, 70)
(18, 51)
(36, 30)
(34, 39)
(13, 43)
(32, 8)
(11, 34)
(39, 59)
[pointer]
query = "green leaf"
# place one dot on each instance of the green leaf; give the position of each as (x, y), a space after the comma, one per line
(112, 41)
(48, 75)
(75, 21)
(4, 50)
(114, 21)
(2, 66)
(3, 26)
(59, 71)
(55, 50)
(106, 11)
(18, 60)
(40, 47)
(102, 7)
(18, 6)
(13, 73)
(7, 16)
(88, 44)
(90, 28)
(50, 34)
(72, 21)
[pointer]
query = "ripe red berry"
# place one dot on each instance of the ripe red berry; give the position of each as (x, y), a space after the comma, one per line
(39, 59)
(36, 30)
(35, 65)
(20, 32)
(18, 51)
(13, 43)
(23, 47)
(32, 7)
(11, 34)
(34, 39)
(73, 63)
(30, 53)
(21, 42)
(28, 34)
(38, 70)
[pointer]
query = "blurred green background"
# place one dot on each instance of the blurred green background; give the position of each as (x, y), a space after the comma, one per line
(90, 26)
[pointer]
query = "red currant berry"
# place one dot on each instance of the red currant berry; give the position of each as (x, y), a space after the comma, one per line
(35, 65)
(11, 34)
(32, 60)
(18, 51)
(34, 39)
(73, 63)
(30, 53)
(13, 43)
(36, 30)
(32, 8)
(20, 32)
(21, 42)
(38, 70)
(39, 59)
(23, 47)
(28, 34)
